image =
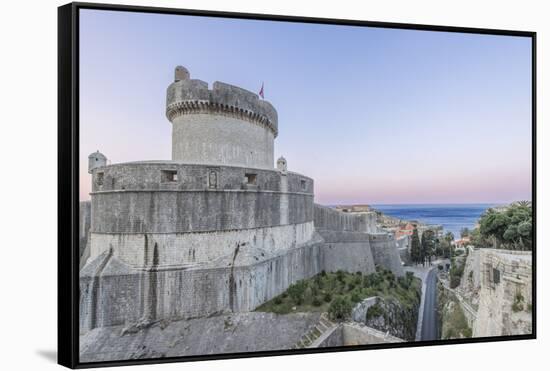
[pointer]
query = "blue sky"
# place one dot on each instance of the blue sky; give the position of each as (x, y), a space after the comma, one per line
(373, 115)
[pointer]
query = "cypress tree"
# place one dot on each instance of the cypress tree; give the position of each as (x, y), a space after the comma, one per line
(427, 246)
(415, 247)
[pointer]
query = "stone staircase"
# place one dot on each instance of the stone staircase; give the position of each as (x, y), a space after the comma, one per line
(324, 325)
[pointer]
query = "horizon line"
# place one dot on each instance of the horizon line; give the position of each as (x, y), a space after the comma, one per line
(426, 203)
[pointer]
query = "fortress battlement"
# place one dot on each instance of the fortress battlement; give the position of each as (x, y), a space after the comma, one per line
(188, 96)
(216, 229)
(177, 176)
(225, 125)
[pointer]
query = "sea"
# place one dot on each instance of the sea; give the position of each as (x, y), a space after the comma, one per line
(453, 217)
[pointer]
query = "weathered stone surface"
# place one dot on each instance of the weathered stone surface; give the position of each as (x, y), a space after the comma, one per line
(359, 312)
(135, 198)
(126, 295)
(218, 271)
(327, 218)
(470, 282)
(346, 251)
(332, 338)
(354, 334)
(214, 248)
(495, 292)
(240, 332)
(454, 321)
(385, 253)
(226, 125)
(505, 297)
(357, 334)
(95, 160)
(403, 248)
(216, 230)
(389, 315)
(84, 223)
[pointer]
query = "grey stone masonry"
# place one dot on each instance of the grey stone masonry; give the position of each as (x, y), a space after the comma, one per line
(188, 96)
(327, 218)
(217, 229)
(171, 197)
(96, 160)
(225, 125)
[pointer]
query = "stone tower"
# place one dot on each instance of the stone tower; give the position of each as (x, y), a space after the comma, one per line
(95, 160)
(225, 125)
(192, 236)
(217, 228)
(282, 165)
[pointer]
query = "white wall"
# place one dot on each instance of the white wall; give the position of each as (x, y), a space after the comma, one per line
(28, 284)
(200, 248)
(221, 140)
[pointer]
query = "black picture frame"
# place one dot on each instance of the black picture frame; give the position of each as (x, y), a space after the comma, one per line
(68, 181)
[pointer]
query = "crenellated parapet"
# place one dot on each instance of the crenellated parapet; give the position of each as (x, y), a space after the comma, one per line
(191, 96)
(225, 125)
(171, 197)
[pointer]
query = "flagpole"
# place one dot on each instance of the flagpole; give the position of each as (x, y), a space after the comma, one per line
(261, 93)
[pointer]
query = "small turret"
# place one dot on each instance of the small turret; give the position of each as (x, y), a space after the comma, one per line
(181, 73)
(282, 165)
(95, 160)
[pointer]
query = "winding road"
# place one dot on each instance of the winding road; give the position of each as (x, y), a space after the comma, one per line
(429, 321)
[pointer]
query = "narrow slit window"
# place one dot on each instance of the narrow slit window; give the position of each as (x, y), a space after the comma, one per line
(250, 178)
(496, 276)
(169, 175)
(213, 179)
(303, 184)
(100, 177)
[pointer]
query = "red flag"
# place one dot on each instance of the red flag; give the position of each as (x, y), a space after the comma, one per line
(261, 93)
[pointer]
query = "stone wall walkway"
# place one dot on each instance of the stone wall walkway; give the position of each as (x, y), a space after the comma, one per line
(323, 326)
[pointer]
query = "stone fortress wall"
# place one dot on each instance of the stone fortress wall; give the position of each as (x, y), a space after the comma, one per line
(352, 240)
(177, 239)
(84, 222)
(404, 249)
(506, 278)
(134, 200)
(114, 292)
(328, 218)
(353, 334)
(385, 253)
(492, 282)
(345, 240)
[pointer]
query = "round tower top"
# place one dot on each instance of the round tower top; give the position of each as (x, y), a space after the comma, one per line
(186, 96)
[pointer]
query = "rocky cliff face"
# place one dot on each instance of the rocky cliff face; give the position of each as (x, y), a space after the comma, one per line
(391, 315)
(453, 322)
(493, 297)
(505, 304)
(237, 332)
(470, 283)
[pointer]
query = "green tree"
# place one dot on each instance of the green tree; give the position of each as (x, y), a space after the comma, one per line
(416, 253)
(340, 308)
(447, 244)
(508, 228)
(427, 246)
(464, 232)
(296, 292)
